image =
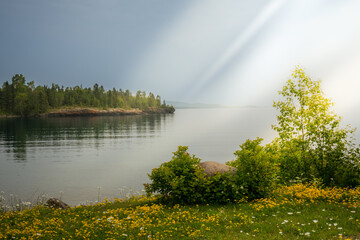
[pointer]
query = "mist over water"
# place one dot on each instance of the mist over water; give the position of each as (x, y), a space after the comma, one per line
(78, 158)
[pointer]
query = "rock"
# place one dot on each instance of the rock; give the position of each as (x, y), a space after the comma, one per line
(212, 168)
(56, 203)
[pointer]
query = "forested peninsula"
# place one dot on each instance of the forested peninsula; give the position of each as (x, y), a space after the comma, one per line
(22, 99)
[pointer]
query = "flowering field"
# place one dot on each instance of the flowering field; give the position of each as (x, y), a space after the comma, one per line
(294, 212)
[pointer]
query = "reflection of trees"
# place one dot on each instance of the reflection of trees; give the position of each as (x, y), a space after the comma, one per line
(15, 133)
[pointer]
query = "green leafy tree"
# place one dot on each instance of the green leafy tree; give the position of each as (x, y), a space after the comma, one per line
(7, 97)
(312, 142)
(20, 94)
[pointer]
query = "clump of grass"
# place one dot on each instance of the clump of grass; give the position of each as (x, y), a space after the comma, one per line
(294, 212)
(15, 203)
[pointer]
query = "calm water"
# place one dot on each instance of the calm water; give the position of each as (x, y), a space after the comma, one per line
(76, 157)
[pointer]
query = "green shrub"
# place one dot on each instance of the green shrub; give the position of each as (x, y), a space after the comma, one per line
(178, 180)
(257, 168)
(182, 180)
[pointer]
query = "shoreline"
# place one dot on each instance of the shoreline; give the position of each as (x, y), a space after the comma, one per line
(91, 112)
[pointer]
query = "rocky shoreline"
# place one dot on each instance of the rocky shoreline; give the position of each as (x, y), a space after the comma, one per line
(89, 112)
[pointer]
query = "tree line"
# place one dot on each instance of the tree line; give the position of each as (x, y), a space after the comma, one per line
(22, 98)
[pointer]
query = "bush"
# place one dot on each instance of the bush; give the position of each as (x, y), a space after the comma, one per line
(182, 180)
(178, 180)
(257, 168)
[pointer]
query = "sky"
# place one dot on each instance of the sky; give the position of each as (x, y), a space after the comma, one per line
(227, 52)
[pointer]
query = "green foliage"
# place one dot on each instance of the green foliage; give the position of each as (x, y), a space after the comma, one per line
(24, 99)
(257, 168)
(312, 143)
(177, 180)
(181, 180)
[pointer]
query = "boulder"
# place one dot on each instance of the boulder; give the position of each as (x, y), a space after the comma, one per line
(211, 168)
(56, 203)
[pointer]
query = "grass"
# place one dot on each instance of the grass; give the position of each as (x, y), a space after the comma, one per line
(294, 212)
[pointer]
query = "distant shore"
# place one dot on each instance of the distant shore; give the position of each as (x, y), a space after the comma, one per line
(89, 112)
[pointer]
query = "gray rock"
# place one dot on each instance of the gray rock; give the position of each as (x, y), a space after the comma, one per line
(56, 203)
(211, 168)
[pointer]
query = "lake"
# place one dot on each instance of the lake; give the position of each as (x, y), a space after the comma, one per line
(88, 158)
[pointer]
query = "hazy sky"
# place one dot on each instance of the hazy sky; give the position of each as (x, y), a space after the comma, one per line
(229, 52)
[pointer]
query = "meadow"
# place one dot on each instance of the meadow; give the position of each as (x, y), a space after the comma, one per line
(299, 211)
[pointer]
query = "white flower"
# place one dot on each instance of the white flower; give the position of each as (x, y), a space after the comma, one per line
(290, 213)
(315, 221)
(307, 234)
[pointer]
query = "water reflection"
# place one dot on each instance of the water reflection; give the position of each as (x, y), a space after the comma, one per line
(17, 136)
